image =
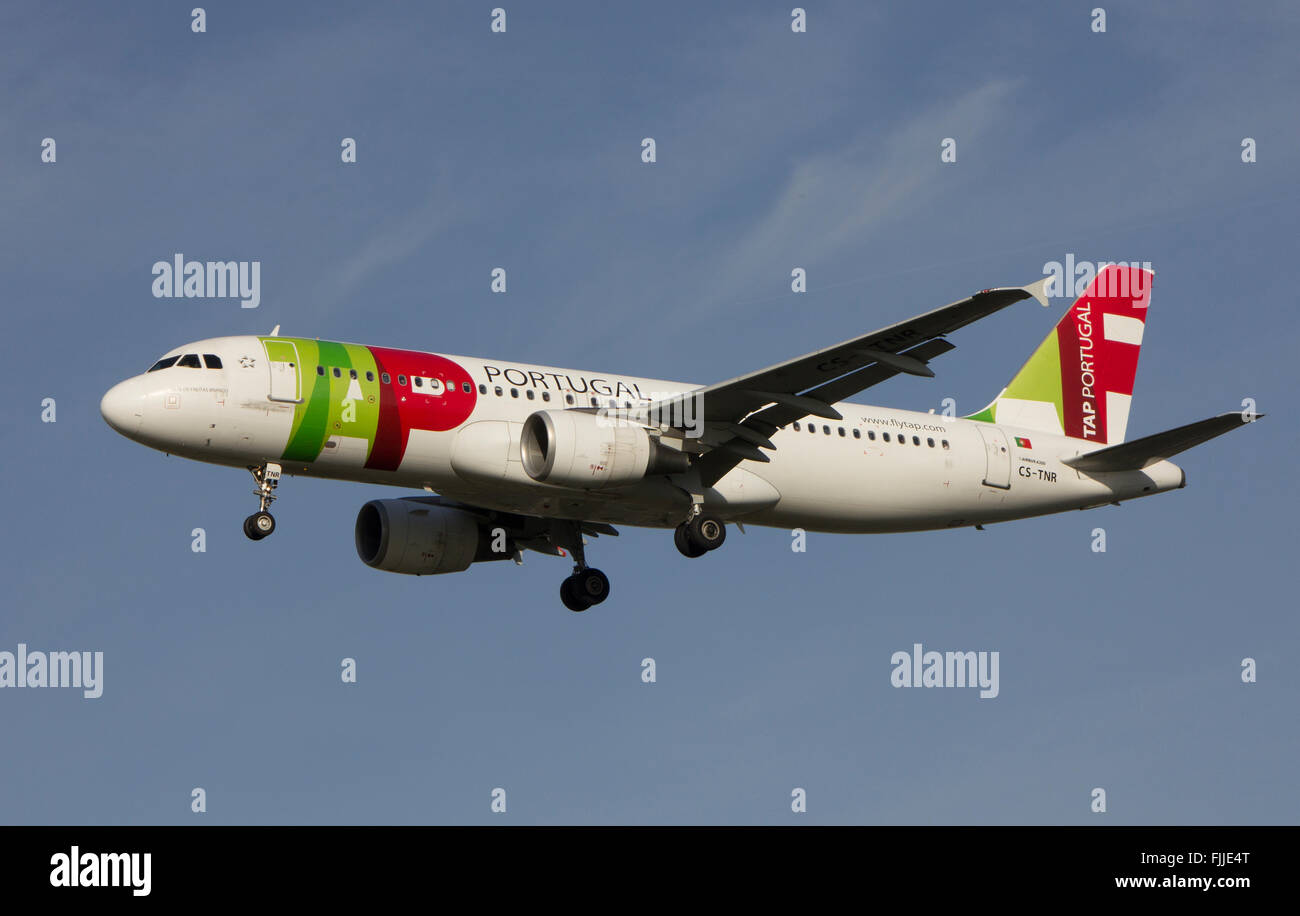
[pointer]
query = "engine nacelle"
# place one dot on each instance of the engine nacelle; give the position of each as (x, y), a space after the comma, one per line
(420, 538)
(586, 451)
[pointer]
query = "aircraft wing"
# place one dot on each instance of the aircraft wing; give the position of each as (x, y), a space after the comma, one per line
(739, 415)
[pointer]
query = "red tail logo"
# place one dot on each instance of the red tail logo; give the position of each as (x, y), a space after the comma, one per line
(1099, 340)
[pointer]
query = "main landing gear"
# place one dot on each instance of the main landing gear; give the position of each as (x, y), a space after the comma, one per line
(587, 586)
(261, 523)
(700, 534)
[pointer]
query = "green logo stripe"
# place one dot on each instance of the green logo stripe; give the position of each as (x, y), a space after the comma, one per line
(332, 356)
(364, 410)
(1039, 379)
(310, 417)
(350, 415)
(330, 406)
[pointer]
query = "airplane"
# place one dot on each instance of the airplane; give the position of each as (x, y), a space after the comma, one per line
(520, 457)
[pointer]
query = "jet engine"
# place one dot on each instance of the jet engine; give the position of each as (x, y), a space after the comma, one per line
(587, 451)
(423, 539)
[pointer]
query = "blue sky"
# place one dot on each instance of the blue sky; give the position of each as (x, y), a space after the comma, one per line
(522, 150)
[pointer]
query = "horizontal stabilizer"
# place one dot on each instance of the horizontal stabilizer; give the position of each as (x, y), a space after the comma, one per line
(1144, 452)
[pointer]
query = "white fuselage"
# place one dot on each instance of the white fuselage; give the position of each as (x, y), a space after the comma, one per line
(824, 475)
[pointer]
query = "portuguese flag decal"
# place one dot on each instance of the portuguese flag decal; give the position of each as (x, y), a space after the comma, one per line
(1022, 442)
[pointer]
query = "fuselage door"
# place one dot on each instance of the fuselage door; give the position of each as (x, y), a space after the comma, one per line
(997, 472)
(282, 357)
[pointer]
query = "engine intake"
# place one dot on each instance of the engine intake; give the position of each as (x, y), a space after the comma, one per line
(572, 448)
(422, 539)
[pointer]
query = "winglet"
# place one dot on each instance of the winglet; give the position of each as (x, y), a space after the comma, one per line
(1038, 290)
(275, 331)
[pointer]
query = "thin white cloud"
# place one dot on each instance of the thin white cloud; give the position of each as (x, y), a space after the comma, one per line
(394, 243)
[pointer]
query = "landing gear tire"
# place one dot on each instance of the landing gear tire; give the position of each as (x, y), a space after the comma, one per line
(591, 585)
(571, 600)
(584, 588)
(684, 545)
(707, 532)
(259, 525)
(700, 535)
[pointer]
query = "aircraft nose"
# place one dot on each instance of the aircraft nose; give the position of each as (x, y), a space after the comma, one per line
(122, 408)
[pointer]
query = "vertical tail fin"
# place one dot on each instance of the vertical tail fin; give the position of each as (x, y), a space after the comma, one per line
(1079, 382)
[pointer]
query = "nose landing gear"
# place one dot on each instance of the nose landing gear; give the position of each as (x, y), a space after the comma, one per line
(262, 523)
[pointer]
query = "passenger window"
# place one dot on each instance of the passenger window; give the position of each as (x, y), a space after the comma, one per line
(944, 443)
(352, 373)
(568, 399)
(916, 440)
(320, 370)
(841, 432)
(338, 373)
(857, 434)
(530, 394)
(417, 381)
(930, 442)
(465, 387)
(165, 363)
(497, 391)
(370, 376)
(212, 360)
(886, 436)
(189, 361)
(796, 426)
(386, 378)
(812, 428)
(546, 395)
(595, 403)
(482, 389)
(514, 392)
(401, 380)
(826, 429)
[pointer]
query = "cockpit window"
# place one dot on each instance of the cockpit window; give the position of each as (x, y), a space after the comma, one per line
(189, 361)
(165, 363)
(212, 360)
